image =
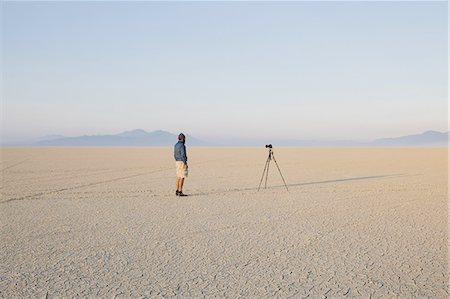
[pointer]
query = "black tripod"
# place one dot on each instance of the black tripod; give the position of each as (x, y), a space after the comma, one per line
(266, 169)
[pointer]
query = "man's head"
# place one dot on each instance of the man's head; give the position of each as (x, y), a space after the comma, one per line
(181, 137)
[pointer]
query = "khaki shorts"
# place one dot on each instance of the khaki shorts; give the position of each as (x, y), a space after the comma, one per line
(182, 171)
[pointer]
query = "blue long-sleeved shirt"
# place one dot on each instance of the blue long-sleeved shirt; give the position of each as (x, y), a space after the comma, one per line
(180, 152)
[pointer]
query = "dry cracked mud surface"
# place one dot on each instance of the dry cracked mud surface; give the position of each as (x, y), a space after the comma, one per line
(105, 222)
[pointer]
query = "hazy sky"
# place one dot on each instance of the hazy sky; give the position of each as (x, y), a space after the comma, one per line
(324, 70)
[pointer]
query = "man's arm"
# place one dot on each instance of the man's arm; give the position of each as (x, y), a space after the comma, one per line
(183, 154)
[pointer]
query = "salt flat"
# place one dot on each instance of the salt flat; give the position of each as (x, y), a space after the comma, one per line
(105, 222)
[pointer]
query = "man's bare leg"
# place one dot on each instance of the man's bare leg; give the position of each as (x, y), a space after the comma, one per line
(180, 184)
(180, 188)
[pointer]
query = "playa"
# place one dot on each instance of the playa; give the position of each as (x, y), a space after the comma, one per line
(105, 222)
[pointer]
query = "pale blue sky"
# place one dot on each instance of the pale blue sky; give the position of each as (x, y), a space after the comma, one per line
(323, 70)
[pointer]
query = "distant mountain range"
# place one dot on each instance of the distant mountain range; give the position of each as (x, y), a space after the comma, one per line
(428, 138)
(136, 137)
(140, 137)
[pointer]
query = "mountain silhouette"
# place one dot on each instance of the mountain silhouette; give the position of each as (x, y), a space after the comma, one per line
(141, 137)
(428, 138)
(136, 137)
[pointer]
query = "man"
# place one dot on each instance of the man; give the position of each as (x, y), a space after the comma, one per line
(181, 163)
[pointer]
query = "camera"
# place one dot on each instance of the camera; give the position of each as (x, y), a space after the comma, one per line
(268, 145)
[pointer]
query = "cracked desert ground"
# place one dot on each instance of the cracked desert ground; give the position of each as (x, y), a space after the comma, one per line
(105, 222)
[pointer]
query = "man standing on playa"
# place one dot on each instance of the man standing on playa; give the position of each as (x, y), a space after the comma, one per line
(181, 163)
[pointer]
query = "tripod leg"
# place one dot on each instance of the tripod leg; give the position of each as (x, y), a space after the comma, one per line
(265, 167)
(267, 173)
(276, 163)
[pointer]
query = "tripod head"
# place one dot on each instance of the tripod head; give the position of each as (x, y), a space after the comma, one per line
(269, 146)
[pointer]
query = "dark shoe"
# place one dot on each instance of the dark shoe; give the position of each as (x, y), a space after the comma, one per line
(181, 194)
(177, 193)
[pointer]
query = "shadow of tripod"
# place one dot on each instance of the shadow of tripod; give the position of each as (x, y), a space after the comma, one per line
(266, 168)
